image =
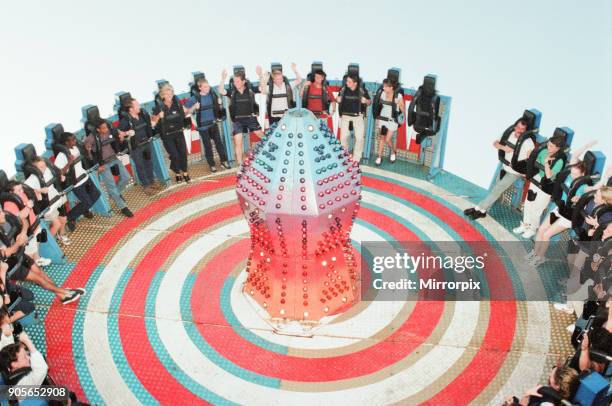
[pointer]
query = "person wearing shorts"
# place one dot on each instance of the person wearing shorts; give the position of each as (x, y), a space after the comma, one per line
(386, 121)
(537, 199)
(242, 110)
(245, 125)
(556, 223)
(21, 267)
(17, 298)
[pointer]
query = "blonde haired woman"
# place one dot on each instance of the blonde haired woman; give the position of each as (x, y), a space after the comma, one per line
(169, 117)
(593, 219)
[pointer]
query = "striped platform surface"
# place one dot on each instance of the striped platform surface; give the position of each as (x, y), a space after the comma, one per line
(164, 320)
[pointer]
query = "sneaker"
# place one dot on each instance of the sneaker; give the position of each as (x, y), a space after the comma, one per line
(149, 190)
(178, 178)
(378, 161)
(469, 212)
(392, 158)
(41, 261)
(213, 169)
(478, 214)
(157, 185)
(529, 233)
(187, 178)
(564, 307)
(80, 291)
(64, 239)
(71, 225)
(72, 297)
(520, 229)
(226, 165)
(127, 212)
(88, 214)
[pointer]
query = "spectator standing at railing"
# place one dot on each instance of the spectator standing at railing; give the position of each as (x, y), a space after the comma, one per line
(104, 147)
(136, 126)
(83, 187)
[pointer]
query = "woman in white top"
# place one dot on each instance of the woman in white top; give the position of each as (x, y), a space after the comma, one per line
(56, 215)
(387, 122)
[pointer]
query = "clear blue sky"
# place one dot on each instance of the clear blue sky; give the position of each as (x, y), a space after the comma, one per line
(494, 58)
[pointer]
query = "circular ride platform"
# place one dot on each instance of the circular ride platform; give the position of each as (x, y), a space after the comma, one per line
(164, 320)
